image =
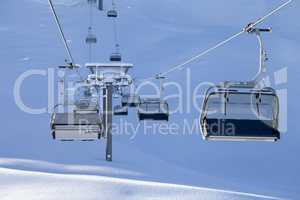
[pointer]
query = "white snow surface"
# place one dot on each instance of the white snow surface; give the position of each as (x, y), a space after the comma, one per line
(17, 184)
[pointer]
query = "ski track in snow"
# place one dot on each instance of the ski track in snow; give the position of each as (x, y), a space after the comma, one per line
(15, 185)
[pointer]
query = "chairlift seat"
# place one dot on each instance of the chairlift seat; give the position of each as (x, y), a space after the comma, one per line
(87, 105)
(240, 114)
(115, 57)
(91, 39)
(76, 126)
(260, 130)
(153, 109)
(120, 110)
(112, 13)
(131, 100)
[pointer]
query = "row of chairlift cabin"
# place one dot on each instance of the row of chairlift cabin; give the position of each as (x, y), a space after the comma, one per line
(242, 111)
(85, 122)
(92, 39)
(251, 111)
(114, 57)
(155, 109)
(148, 108)
(82, 118)
(245, 110)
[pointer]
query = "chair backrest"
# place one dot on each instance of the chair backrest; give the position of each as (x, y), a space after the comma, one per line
(112, 13)
(233, 104)
(154, 104)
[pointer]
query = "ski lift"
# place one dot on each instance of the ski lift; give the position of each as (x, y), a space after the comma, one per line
(154, 108)
(82, 122)
(131, 100)
(112, 13)
(115, 57)
(120, 110)
(237, 112)
(129, 96)
(242, 111)
(76, 126)
(91, 39)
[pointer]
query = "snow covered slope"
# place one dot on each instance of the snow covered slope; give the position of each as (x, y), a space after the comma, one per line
(154, 36)
(16, 184)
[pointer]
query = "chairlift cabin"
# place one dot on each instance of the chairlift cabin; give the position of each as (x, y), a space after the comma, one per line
(112, 13)
(81, 121)
(91, 39)
(242, 110)
(115, 57)
(153, 109)
(131, 100)
(76, 126)
(239, 113)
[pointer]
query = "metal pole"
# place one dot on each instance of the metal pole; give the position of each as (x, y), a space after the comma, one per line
(108, 120)
(104, 111)
(262, 54)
